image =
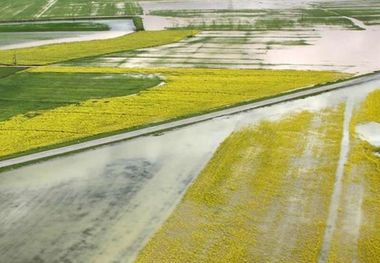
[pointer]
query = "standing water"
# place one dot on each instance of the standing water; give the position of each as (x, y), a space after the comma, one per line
(117, 28)
(104, 204)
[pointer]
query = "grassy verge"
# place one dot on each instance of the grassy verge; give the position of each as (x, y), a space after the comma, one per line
(67, 51)
(53, 27)
(257, 201)
(187, 92)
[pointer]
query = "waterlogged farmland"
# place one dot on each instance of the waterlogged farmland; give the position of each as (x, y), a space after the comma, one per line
(304, 49)
(270, 35)
(319, 204)
(189, 131)
(108, 209)
(239, 214)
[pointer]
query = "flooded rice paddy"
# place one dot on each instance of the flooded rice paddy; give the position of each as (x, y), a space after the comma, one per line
(118, 27)
(104, 204)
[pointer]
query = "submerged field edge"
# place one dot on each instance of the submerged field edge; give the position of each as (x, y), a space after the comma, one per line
(16, 160)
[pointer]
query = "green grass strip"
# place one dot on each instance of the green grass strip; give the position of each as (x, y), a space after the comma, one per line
(7, 71)
(53, 27)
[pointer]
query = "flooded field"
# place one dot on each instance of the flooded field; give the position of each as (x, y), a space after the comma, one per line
(149, 6)
(197, 193)
(104, 204)
(306, 49)
(12, 40)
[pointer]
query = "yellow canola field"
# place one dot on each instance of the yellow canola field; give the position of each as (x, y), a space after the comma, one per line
(186, 92)
(54, 53)
(357, 236)
(264, 196)
(370, 110)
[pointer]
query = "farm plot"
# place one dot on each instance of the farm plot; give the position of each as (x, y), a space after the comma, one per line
(239, 49)
(29, 92)
(256, 19)
(54, 53)
(357, 236)
(263, 197)
(253, 203)
(186, 92)
(72, 8)
(366, 11)
(25, 9)
(312, 50)
(6, 71)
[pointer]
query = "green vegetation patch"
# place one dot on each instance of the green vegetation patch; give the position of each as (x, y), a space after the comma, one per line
(274, 23)
(329, 21)
(27, 9)
(367, 12)
(138, 22)
(6, 71)
(69, 8)
(51, 27)
(26, 92)
(200, 12)
(55, 53)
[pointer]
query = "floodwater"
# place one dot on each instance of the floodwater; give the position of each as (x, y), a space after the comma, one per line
(118, 27)
(222, 4)
(324, 50)
(103, 205)
(331, 48)
(347, 50)
(370, 132)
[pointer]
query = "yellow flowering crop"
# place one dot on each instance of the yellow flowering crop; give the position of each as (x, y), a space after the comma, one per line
(357, 235)
(264, 196)
(186, 92)
(370, 110)
(55, 53)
